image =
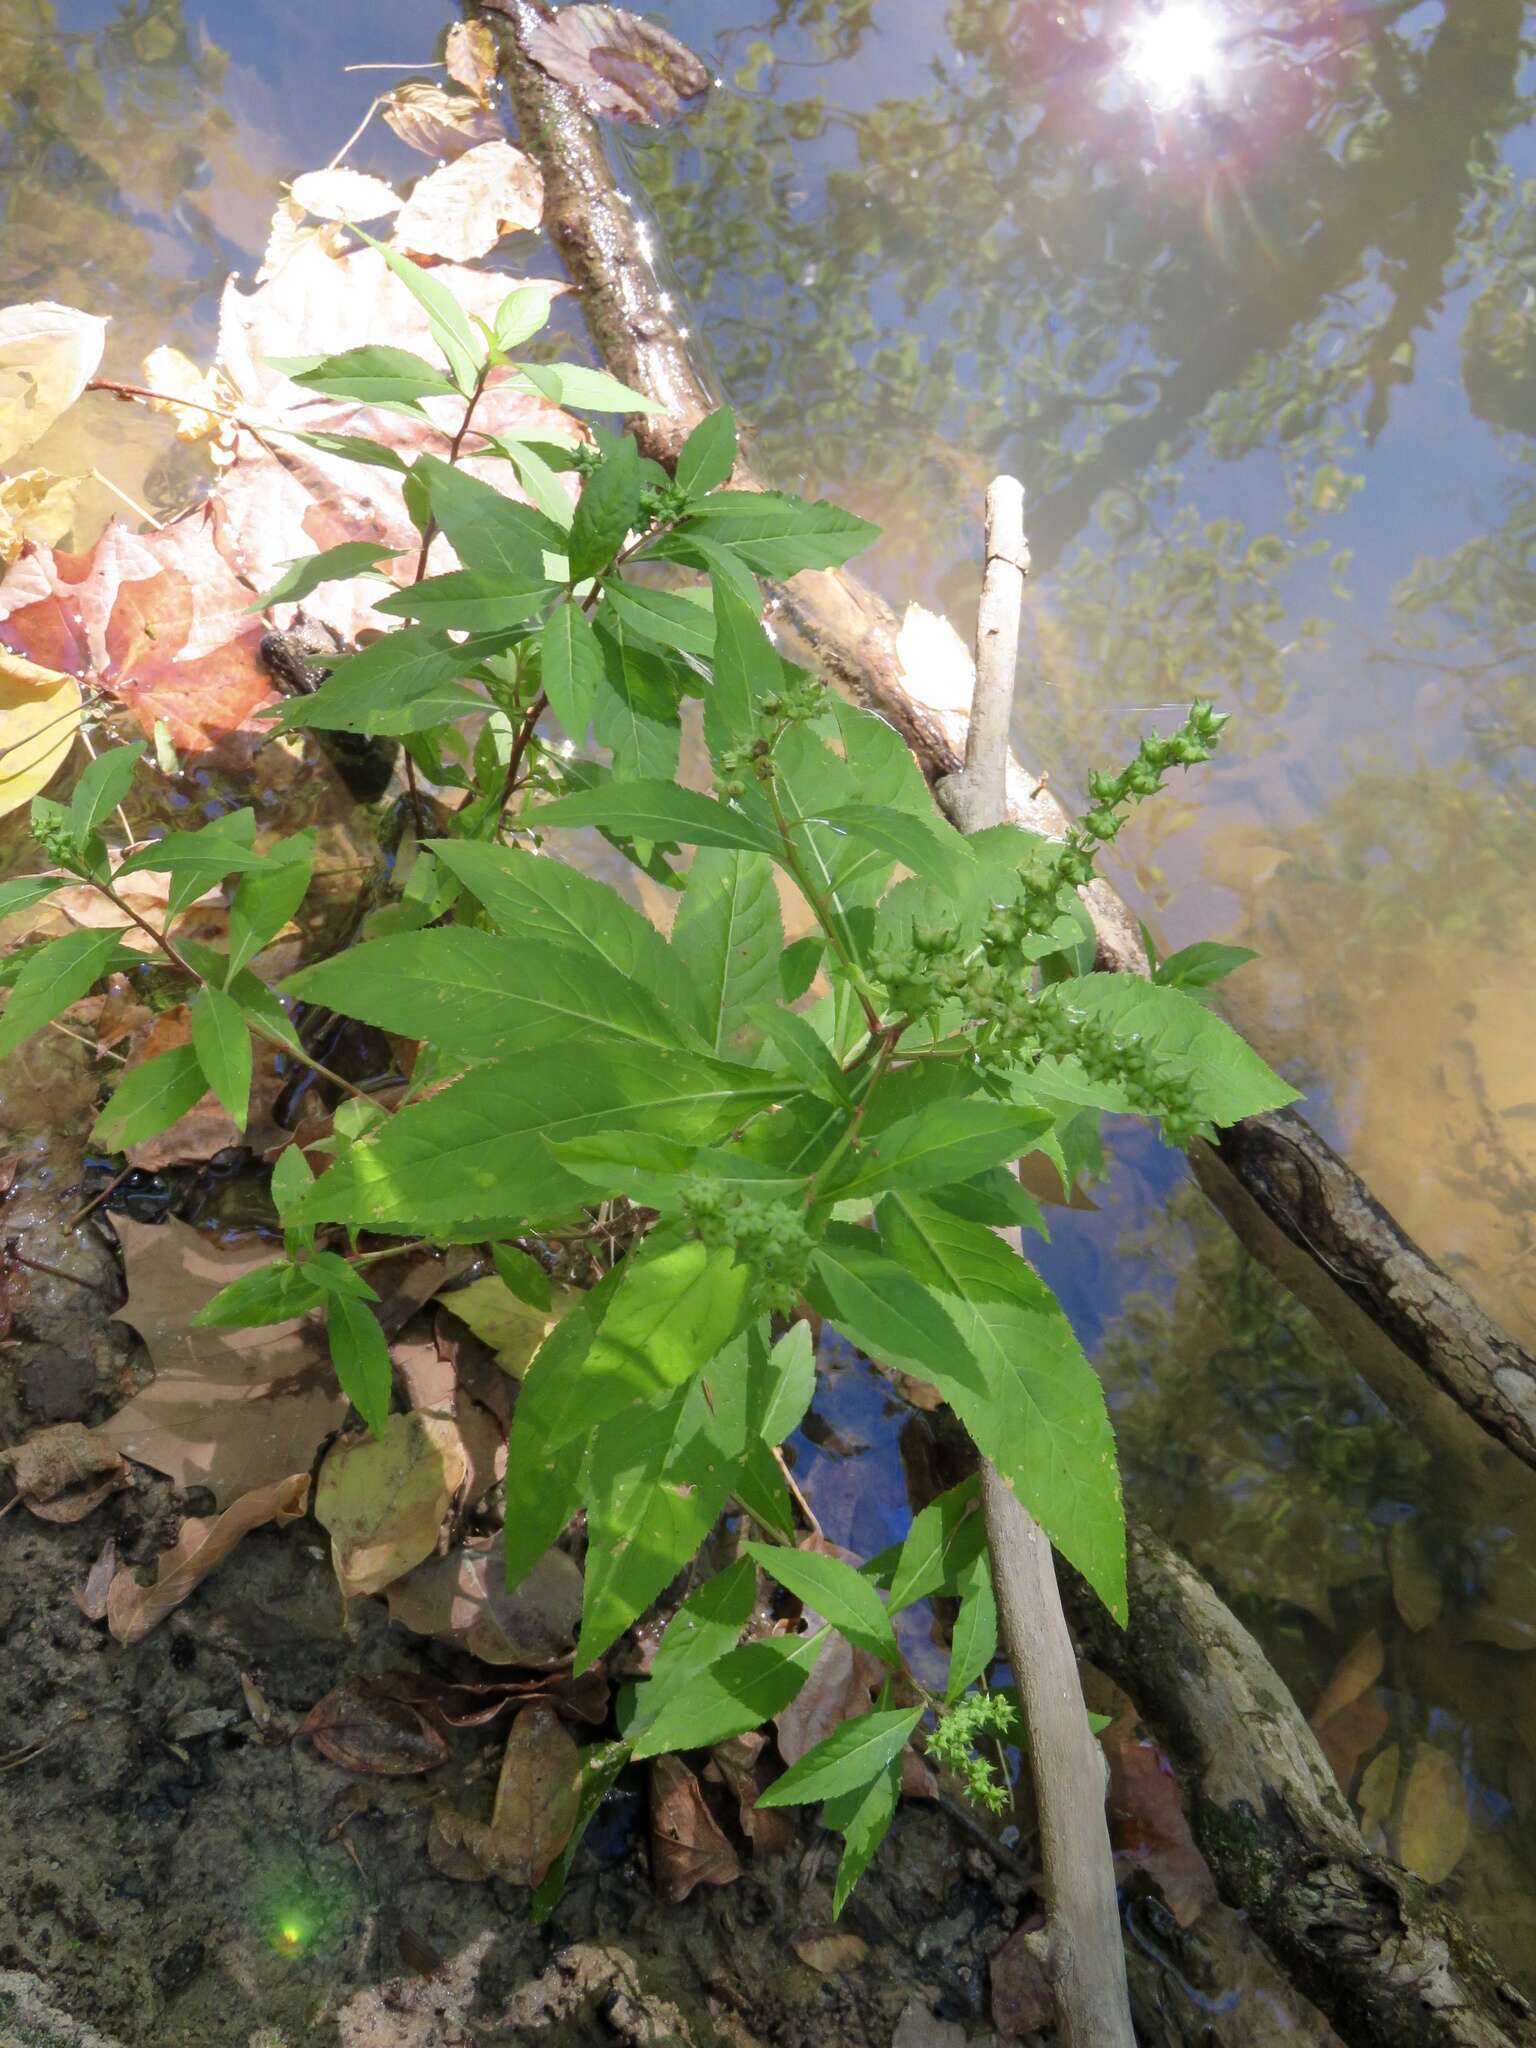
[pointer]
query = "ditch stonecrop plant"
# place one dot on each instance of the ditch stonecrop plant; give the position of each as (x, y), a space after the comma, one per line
(829, 1124)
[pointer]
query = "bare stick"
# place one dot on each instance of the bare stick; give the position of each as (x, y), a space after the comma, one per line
(1086, 1956)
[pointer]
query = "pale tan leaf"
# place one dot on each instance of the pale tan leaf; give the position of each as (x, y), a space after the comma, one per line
(1357, 1671)
(39, 715)
(438, 122)
(133, 1610)
(1418, 1592)
(831, 1955)
(344, 195)
(462, 211)
(36, 506)
(383, 1498)
(471, 59)
(48, 354)
(538, 1795)
(64, 1472)
(91, 1598)
(513, 1329)
(228, 1409)
(1428, 1825)
(195, 399)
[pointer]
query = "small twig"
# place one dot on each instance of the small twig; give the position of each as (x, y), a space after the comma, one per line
(97, 1199)
(373, 107)
(58, 1272)
(133, 505)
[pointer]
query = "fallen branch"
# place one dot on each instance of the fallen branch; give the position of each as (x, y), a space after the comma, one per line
(851, 636)
(1389, 1963)
(1085, 1959)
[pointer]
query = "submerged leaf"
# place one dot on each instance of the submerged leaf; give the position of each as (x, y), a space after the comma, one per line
(39, 716)
(619, 64)
(362, 1727)
(383, 1499)
(687, 1845)
(48, 353)
(463, 210)
(438, 123)
(133, 1610)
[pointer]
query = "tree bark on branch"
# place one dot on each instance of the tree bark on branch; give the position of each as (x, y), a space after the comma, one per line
(849, 632)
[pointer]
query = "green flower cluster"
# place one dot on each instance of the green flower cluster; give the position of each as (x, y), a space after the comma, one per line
(663, 504)
(979, 1717)
(798, 700)
(1115, 795)
(770, 1238)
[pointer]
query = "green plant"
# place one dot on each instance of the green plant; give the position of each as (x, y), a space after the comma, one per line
(739, 1129)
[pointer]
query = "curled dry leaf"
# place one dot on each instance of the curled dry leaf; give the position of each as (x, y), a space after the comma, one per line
(35, 506)
(463, 1599)
(538, 1798)
(513, 1329)
(1147, 1822)
(1425, 1824)
(344, 195)
(470, 58)
(290, 231)
(64, 1472)
(437, 122)
(619, 64)
(39, 713)
(228, 1409)
(48, 354)
(472, 1706)
(846, 1681)
(91, 1598)
(196, 400)
(363, 1726)
(133, 1610)
(743, 1766)
(463, 210)
(687, 1845)
(383, 1498)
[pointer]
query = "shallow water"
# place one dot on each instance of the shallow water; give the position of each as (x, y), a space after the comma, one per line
(1247, 294)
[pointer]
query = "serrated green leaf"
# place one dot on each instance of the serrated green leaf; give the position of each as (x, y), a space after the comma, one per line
(798, 964)
(360, 1355)
(222, 1042)
(53, 978)
(863, 1818)
(804, 1052)
(547, 1447)
(945, 1538)
(661, 615)
(272, 1294)
(374, 374)
(475, 1151)
(778, 535)
(881, 762)
(658, 811)
(881, 1307)
(745, 1688)
(268, 896)
(836, 1592)
(592, 390)
(1040, 1417)
(23, 892)
(103, 784)
(747, 668)
(539, 480)
(150, 1098)
(488, 531)
(609, 506)
(694, 552)
(656, 1480)
(1201, 965)
(973, 1642)
(852, 1756)
(332, 565)
(352, 448)
(468, 601)
(708, 456)
(704, 1629)
(601, 1763)
(675, 1306)
(463, 349)
(783, 1384)
(475, 993)
(928, 846)
(402, 682)
(200, 860)
(523, 313)
(635, 710)
(996, 1198)
(1228, 1080)
(949, 1141)
(572, 668)
(728, 935)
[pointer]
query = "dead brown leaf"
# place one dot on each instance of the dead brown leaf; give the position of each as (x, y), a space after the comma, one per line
(462, 211)
(582, 1698)
(1418, 1590)
(845, 1682)
(471, 60)
(538, 1797)
(270, 1727)
(1022, 2000)
(687, 1845)
(363, 1726)
(619, 64)
(383, 1498)
(1357, 1671)
(451, 1374)
(1147, 1822)
(463, 1599)
(91, 1598)
(1425, 1824)
(743, 1766)
(831, 1955)
(437, 122)
(133, 1610)
(1350, 1718)
(64, 1472)
(228, 1409)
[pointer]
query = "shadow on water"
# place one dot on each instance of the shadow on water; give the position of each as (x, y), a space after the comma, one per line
(1247, 293)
